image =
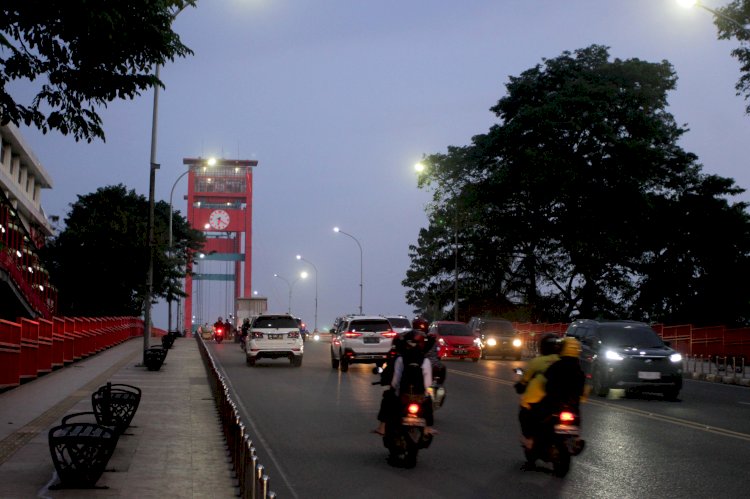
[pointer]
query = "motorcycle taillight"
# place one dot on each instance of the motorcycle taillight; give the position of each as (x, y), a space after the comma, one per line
(413, 409)
(567, 417)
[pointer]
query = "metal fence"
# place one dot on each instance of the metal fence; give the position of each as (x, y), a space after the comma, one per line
(254, 482)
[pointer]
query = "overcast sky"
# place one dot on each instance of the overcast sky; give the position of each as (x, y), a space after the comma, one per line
(337, 99)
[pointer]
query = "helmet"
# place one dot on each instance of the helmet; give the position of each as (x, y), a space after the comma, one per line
(571, 347)
(415, 339)
(220, 319)
(549, 344)
(420, 324)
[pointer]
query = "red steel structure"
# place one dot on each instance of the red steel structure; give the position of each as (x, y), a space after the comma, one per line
(220, 204)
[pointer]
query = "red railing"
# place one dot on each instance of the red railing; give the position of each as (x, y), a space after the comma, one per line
(31, 348)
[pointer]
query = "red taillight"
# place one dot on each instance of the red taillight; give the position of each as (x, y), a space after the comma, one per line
(293, 334)
(219, 331)
(388, 334)
(413, 409)
(352, 334)
(257, 335)
(302, 325)
(567, 417)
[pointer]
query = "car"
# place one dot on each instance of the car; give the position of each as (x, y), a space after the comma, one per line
(361, 339)
(399, 323)
(274, 336)
(455, 340)
(627, 355)
(498, 337)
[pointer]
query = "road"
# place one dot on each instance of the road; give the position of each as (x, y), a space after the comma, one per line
(312, 425)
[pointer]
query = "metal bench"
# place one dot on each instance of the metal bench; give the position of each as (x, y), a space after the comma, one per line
(115, 405)
(80, 453)
(154, 357)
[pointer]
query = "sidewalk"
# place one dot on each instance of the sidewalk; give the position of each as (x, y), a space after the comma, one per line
(174, 448)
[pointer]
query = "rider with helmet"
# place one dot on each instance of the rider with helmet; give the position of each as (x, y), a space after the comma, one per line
(531, 387)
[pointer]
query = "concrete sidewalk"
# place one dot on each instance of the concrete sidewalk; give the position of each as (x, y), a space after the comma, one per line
(174, 448)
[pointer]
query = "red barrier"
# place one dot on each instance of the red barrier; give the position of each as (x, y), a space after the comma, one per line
(58, 342)
(44, 359)
(10, 354)
(29, 348)
(70, 340)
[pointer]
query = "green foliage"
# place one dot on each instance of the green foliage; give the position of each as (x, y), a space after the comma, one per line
(100, 261)
(79, 55)
(732, 23)
(580, 201)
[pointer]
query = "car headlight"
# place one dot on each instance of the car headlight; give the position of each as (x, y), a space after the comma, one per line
(675, 357)
(478, 342)
(517, 342)
(612, 355)
(441, 342)
(491, 342)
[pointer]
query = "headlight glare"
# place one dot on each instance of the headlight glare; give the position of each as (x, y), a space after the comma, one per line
(675, 357)
(612, 355)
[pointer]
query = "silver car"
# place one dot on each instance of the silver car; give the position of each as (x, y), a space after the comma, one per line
(361, 340)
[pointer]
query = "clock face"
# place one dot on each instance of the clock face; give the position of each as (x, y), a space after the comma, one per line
(218, 219)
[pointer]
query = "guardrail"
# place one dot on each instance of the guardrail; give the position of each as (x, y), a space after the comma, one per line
(254, 482)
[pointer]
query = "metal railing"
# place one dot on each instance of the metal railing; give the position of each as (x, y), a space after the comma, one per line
(717, 365)
(254, 482)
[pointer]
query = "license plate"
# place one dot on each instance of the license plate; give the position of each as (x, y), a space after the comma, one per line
(460, 352)
(371, 339)
(275, 336)
(413, 421)
(566, 429)
(649, 375)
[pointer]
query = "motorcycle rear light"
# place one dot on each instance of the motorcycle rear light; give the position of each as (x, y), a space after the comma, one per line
(352, 334)
(567, 417)
(219, 331)
(388, 334)
(413, 409)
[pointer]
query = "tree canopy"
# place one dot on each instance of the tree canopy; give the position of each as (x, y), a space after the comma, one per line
(732, 22)
(99, 261)
(78, 55)
(580, 201)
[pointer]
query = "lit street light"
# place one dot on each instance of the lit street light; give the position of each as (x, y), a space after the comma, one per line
(696, 3)
(420, 168)
(315, 326)
(302, 275)
(361, 284)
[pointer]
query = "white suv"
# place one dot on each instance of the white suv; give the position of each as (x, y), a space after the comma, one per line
(361, 339)
(273, 336)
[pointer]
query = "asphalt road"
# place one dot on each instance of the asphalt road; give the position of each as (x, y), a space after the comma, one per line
(312, 423)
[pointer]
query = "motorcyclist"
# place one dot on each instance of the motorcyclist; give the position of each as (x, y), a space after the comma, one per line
(532, 386)
(410, 349)
(244, 330)
(566, 381)
(219, 324)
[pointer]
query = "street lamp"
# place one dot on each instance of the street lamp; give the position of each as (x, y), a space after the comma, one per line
(315, 326)
(302, 275)
(361, 285)
(697, 3)
(153, 166)
(420, 168)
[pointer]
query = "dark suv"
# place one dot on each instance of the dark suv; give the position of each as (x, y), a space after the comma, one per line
(498, 337)
(628, 355)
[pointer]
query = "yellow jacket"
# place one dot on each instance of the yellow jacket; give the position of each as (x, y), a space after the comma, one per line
(533, 378)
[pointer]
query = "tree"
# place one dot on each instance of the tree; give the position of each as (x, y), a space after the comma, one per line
(731, 22)
(79, 55)
(580, 200)
(99, 262)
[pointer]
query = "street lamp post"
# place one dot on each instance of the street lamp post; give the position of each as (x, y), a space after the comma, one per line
(419, 167)
(315, 326)
(153, 166)
(290, 285)
(361, 274)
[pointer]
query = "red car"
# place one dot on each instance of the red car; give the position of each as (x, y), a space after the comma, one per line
(455, 341)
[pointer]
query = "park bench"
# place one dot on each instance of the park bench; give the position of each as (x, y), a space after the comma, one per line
(80, 452)
(115, 405)
(167, 341)
(154, 357)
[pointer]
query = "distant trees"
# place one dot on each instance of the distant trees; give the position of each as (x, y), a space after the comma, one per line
(580, 201)
(733, 22)
(78, 55)
(99, 261)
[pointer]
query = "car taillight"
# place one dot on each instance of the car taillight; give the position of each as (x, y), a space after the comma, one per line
(293, 334)
(257, 335)
(388, 334)
(352, 334)
(413, 409)
(567, 417)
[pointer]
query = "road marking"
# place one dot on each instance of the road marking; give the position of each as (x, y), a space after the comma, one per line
(638, 412)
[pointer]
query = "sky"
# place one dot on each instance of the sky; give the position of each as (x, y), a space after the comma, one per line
(338, 99)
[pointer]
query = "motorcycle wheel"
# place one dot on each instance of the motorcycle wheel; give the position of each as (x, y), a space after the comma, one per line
(219, 340)
(599, 387)
(561, 460)
(343, 365)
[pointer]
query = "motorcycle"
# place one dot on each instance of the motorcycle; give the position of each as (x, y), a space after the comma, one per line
(405, 429)
(437, 390)
(556, 439)
(219, 335)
